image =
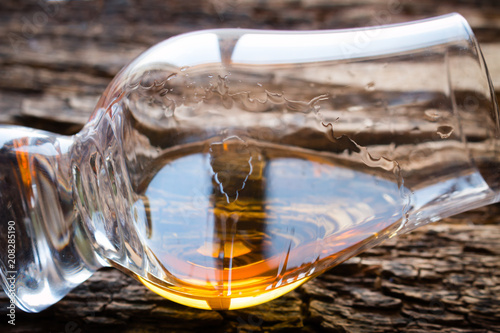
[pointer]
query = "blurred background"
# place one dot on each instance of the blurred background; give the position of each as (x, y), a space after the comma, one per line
(57, 57)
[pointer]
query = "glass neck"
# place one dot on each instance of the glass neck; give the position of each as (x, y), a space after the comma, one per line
(52, 253)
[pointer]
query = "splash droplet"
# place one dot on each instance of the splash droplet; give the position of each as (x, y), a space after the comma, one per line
(231, 163)
(445, 131)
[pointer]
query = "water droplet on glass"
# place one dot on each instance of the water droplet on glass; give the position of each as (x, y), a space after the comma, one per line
(171, 76)
(432, 115)
(184, 68)
(444, 131)
(276, 98)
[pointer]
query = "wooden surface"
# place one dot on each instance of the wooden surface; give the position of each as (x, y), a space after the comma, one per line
(56, 59)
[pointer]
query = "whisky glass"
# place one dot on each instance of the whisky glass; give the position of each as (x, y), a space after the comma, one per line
(224, 168)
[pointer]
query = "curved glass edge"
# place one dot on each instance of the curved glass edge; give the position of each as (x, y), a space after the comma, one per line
(472, 95)
(267, 47)
(236, 47)
(483, 103)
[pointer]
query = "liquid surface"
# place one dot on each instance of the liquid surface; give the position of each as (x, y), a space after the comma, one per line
(236, 223)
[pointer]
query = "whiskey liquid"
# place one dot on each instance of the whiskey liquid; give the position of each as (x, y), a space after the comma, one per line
(236, 223)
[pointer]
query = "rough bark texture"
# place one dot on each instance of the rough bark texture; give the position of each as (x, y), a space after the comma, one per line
(55, 61)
